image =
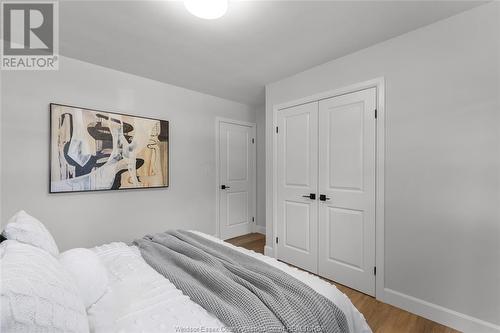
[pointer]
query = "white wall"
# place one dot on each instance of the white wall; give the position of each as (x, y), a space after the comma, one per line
(87, 219)
(260, 114)
(442, 179)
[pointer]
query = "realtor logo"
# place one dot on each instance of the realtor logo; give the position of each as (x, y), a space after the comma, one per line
(29, 36)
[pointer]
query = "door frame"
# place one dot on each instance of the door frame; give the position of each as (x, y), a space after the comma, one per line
(379, 84)
(218, 121)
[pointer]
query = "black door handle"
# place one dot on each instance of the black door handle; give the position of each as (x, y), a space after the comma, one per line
(323, 197)
(224, 187)
(311, 196)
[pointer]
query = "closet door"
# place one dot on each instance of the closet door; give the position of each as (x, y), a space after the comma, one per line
(347, 128)
(297, 206)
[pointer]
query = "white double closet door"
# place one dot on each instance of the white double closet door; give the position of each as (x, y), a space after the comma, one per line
(326, 188)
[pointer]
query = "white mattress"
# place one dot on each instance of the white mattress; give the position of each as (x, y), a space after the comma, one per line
(139, 299)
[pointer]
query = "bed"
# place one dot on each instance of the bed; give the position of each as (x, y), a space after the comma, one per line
(124, 293)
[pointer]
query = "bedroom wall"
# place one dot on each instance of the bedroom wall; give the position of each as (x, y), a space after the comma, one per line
(442, 179)
(87, 219)
(260, 114)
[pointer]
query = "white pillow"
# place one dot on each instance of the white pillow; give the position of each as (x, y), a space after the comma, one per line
(26, 229)
(88, 272)
(37, 293)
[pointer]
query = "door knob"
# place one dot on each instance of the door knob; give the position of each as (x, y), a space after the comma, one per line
(224, 187)
(323, 197)
(311, 196)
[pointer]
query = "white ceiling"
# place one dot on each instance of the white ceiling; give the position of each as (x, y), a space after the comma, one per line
(256, 43)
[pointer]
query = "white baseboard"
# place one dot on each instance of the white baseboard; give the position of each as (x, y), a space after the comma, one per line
(259, 229)
(439, 314)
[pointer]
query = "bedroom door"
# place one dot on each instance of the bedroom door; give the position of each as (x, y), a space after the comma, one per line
(297, 206)
(347, 132)
(236, 188)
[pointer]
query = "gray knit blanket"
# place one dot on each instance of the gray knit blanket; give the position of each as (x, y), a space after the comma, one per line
(246, 294)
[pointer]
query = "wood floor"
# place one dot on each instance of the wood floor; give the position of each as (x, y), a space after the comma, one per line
(381, 317)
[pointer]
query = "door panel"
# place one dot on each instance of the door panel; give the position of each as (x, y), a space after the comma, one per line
(346, 146)
(237, 174)
(347, 128)
(297, 177)
(297, 150)
(237, 155)
(345, 231)
(297, 225)
(237, 207)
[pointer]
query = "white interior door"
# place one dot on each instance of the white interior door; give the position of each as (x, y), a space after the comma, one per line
(236, 179)
(297, 179)
(347, 132)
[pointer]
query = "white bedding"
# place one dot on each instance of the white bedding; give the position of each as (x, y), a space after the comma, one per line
(139, 299)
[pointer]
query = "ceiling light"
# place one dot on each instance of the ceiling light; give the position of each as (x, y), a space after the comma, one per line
(206, 9)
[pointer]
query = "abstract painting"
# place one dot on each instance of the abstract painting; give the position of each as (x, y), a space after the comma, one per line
(93, 150)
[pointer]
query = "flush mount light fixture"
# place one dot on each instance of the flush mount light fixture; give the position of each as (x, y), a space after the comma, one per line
(207, 9)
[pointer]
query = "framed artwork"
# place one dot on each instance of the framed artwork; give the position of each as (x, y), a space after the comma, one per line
(94, 150)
